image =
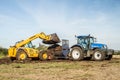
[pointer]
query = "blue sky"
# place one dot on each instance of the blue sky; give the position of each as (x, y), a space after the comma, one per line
(20, 19)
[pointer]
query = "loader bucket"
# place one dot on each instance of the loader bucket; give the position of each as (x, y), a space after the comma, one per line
(54, 39)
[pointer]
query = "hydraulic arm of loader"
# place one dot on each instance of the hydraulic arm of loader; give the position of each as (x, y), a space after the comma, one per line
(52, 39)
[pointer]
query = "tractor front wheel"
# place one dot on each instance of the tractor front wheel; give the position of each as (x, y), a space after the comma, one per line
(98, 55)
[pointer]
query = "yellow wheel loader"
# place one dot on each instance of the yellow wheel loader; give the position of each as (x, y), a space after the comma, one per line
(24, 49)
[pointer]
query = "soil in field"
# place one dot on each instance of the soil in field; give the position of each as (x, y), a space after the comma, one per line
(61, 70)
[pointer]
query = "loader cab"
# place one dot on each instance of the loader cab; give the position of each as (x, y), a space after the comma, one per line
(29, 45)
(85, 41)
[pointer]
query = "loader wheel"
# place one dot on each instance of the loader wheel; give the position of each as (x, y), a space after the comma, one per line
(21, 55)
(98, 55)
(43, 56)
(76, 54)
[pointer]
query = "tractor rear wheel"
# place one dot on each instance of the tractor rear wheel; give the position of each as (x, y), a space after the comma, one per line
(43, 55)
(98, 55)
(76, 54)
(21, 55)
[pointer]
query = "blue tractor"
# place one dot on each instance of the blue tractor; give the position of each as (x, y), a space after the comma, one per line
(87, 47)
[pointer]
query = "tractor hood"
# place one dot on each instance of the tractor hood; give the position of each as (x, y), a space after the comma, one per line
(98, 45)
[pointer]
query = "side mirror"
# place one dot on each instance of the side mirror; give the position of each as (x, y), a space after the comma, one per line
(95, 39)
(75, 36)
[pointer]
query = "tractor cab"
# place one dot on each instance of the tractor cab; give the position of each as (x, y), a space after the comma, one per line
(89, 42)
(85, 41)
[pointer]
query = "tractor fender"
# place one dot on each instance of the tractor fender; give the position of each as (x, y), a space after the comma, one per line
(102, 50)
(78, 46)
(73, 47)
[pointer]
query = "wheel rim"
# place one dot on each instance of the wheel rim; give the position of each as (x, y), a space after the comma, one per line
(98, 55)
(75, 54)
(22, 56)
(45, 56)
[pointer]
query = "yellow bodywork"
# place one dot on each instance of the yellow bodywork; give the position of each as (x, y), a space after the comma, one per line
(31, 52)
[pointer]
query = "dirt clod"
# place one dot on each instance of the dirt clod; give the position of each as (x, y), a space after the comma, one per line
(5, 60)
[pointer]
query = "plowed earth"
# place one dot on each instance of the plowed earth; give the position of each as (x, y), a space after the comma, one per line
(60, 70)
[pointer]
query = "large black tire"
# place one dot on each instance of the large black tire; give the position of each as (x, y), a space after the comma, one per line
(76, 54)
(108, 57)
(43, 55)
(98, 55)
(21, 55)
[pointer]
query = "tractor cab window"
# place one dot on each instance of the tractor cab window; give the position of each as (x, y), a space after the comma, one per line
(83, 42)
(80, 40)
(91, 40)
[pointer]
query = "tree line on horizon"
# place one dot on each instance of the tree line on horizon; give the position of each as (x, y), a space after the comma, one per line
(3, 51)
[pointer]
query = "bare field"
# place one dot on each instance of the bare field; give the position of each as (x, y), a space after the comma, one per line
(66, 70)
